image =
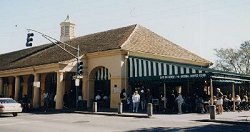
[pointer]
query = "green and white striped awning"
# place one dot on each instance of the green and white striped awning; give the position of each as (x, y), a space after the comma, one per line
(102, 74)
(145, 68)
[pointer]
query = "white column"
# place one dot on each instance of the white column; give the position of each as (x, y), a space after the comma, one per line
(59, 90)
(36, 91)
(17, 87)
(1, 86)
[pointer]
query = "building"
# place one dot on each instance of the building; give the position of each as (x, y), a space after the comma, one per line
(123, 58)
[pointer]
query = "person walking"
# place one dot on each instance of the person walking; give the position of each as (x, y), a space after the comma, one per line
(136, 101)
(179, 101)
(46, 100)
(219, 102)
(123, 98)
(142, 100)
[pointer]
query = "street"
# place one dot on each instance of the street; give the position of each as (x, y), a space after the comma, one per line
(75, 122)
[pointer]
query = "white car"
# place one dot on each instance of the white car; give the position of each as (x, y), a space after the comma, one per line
(8, 105)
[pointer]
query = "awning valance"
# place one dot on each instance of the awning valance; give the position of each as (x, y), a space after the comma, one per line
(143, 68)
(147, 69)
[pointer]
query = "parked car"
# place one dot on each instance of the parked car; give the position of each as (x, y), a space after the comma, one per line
(9, 106)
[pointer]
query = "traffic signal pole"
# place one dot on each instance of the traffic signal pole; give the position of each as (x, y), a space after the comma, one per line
(49, 38)
(77, 73)
(57, 43)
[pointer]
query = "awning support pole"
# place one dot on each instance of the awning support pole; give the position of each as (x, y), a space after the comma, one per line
(165, 101)
(212, 108)
(233, 95)
(188, 92)
(211, 92)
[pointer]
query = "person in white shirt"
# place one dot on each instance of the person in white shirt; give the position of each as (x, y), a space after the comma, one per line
(98, 97)
(136, 101)
(237, 101)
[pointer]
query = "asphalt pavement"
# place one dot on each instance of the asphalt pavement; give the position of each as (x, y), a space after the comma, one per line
(242, 117)
(80, 121)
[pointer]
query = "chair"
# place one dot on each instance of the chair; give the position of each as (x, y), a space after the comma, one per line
(155, 103)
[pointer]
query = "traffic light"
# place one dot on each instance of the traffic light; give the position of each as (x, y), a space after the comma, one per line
(80, 68)
(29, 39)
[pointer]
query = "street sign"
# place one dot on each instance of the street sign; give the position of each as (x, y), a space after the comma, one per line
(77, 77)
(77, 82)
(36, 84)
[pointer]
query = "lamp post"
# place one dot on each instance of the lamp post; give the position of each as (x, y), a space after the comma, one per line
(77, 57)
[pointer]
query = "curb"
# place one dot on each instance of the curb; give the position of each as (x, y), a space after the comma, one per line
(241, 122)
(112, 114)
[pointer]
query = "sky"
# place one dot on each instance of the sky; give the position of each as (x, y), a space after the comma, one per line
(199, 26)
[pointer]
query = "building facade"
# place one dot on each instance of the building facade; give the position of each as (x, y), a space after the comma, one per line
(124, 58)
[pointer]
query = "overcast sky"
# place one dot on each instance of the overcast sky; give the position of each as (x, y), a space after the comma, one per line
(197, 25)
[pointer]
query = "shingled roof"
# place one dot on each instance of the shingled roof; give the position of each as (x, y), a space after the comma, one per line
(145, 41)
(133, 38)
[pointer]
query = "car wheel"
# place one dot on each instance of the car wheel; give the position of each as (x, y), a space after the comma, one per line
(14, 114)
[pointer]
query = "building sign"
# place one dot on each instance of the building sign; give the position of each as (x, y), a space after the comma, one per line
(36, 84)
(183, 76)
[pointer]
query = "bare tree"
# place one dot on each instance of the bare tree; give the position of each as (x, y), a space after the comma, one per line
(234, 60)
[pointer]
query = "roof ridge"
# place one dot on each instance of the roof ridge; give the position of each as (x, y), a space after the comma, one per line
(135, 29)
(95, 33)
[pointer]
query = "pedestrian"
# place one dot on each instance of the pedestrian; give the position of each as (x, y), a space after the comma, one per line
(45, 100)
(171, 102)
(54, 103)
(66, 100)
(238, 102)
(142, 100)
(123, 98)
(136, 101)
(179, 101)
(219, 102)
(98, 97)
(148, 96)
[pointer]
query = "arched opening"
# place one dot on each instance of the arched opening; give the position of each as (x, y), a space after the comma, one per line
(5, 87)
(50, 88)
(20, 94)
(70, 90)
(30, 87)
(100, 89)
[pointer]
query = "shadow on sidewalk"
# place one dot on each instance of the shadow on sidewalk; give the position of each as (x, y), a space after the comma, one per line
(205, 128)
(227, 121)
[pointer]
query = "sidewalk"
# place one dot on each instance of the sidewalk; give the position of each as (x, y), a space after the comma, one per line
(227, 117)
(125, 114)
(232, 118)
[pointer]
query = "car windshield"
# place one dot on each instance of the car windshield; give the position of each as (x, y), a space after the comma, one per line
(7, 101)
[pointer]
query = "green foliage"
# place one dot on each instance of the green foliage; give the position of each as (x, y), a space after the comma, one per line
(234, 60)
